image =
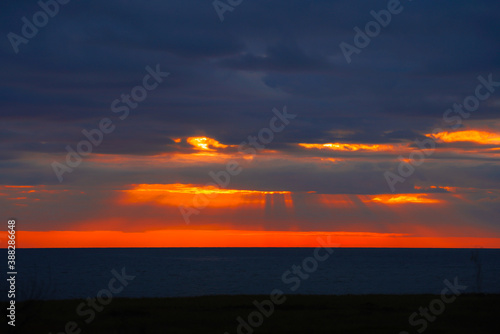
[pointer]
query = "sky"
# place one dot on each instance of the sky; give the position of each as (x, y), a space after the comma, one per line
(259, 124)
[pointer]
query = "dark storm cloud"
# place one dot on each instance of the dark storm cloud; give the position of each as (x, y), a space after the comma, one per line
(287, 58)
(226, 77)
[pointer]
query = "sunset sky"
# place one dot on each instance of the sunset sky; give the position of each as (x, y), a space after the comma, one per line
(322, 171)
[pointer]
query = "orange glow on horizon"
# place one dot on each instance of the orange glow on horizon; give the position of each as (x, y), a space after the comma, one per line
(238, 238)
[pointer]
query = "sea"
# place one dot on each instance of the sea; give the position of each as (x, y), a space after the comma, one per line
(49, 274)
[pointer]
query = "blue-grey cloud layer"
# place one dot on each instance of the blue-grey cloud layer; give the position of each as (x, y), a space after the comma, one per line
(227, 76)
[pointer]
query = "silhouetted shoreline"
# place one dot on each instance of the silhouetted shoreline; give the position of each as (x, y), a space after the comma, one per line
(469, 313)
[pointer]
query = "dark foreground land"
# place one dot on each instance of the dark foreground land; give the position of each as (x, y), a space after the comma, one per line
(468, 314)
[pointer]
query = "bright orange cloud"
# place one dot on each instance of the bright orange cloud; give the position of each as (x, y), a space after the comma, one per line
(181, 188)
(22, 195)
(349, 147)
(205, 143)
(476, 136)
(405, 198)
(184, 194)
(448, 189)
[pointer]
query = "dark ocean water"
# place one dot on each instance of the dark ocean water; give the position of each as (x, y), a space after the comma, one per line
(167, 272)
